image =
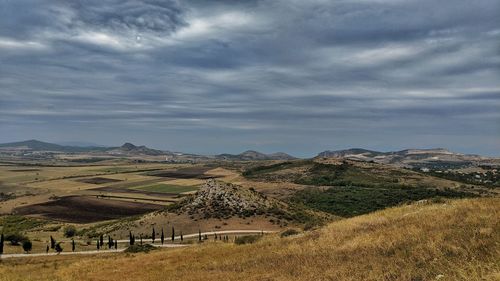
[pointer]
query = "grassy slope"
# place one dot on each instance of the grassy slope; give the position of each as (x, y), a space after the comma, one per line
(459, 240)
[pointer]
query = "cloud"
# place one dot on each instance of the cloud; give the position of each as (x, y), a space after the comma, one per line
(284, 75)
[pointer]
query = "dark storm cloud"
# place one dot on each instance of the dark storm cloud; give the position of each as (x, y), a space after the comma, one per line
(210, 76)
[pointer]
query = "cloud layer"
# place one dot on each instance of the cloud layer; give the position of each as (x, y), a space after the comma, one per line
(224, 76)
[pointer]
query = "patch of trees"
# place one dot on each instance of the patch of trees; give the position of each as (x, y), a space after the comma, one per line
(352, 201)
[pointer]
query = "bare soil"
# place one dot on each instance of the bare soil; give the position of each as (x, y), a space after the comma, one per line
(98, 180)
(86, 209)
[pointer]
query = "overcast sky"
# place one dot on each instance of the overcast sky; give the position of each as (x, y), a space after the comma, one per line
(225, 76)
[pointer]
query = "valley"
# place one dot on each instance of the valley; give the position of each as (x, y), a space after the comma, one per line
(226, 198)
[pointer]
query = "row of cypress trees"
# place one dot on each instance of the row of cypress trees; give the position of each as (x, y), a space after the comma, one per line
(153, 236)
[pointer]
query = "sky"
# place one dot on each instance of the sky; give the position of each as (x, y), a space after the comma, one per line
(215, 77)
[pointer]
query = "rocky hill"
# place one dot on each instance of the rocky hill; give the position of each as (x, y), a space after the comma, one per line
(216, 199)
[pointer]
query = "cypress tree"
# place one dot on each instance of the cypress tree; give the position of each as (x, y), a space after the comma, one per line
(199, 235)
(162, 237)
(116, 244)
(140, 236)
(73, 246)
(47, 249)
(182, 237)
(215, 236)
(173, 234)
(153, 235)
(52, 242)
(98, 245)
(130, 238)
(110, 242)
(101, 240)
(1, 243)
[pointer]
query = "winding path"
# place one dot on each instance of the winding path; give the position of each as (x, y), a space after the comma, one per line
(112, 251)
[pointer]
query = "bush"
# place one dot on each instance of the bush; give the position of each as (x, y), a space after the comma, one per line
(289, 232)
(69, 231)
(247, 239)
(27, 245)
(137, 248)
(15, 238)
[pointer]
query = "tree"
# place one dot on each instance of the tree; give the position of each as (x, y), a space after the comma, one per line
(101, 240)
(52, 242)
(47, 249)
(27, 246)
(73, 245)
(173, 234)
(116, 244)
(199, 235)
(182, 237)
(140, 236)
(98, 245)
(1, 243)
(215, 236)
(162, 237)
(131, 238)
(110, 242)
(153, 235)
(58, 248)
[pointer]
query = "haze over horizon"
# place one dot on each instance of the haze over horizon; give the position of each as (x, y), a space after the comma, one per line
(214, 77)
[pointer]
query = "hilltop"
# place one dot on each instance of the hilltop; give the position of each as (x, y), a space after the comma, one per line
(251, 155)
(452, 240)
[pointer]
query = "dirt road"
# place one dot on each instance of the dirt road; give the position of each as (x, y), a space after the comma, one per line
(112, 251)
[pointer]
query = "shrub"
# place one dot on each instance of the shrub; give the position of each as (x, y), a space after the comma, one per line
(145, 248)
(247, 239)
(69, 231)
(27, 245)
(289, 232)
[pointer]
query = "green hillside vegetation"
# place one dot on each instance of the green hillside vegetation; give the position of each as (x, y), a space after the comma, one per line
(352, 201)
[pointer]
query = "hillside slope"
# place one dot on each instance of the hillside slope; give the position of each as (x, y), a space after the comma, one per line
(457, 240)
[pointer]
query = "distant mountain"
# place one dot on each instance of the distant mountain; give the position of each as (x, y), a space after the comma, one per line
(130, 149)
(435, 157)
(36, 145)
(251, 155)
(351, 151)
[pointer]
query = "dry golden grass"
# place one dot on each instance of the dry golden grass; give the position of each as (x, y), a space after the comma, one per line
(459, 240)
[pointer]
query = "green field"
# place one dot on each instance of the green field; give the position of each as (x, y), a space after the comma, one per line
(167, 188)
